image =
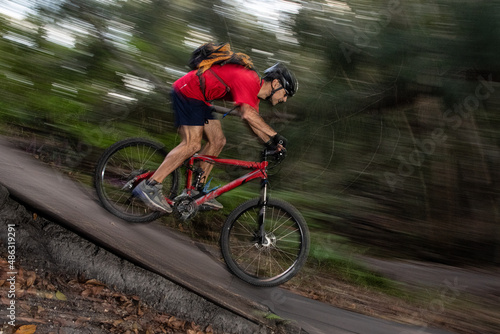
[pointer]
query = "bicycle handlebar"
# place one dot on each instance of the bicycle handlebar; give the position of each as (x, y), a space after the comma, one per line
(277, 152)
(279, 155)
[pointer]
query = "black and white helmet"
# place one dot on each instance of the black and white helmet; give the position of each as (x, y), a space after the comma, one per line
(285, 76)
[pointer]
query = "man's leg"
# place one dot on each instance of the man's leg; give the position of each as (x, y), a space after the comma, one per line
(149, 191)
(215, 143)
(190, 144)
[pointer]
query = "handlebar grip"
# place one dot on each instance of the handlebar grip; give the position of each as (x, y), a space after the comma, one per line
(279, 154)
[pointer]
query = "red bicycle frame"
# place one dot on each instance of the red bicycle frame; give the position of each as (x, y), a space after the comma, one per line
(258, 171)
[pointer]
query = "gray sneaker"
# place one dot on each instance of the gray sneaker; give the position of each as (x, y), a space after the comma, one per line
(152, 196)
(213, 204)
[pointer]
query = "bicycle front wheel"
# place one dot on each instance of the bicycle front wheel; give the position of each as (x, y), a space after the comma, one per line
(270, 258)
(116, 172)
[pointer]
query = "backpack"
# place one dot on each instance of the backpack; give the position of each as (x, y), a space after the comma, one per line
(210, 54)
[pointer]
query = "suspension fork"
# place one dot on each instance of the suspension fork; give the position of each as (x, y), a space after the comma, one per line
(262, 212)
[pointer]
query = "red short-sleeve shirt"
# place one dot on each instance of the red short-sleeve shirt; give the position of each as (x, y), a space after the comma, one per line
(244, 85)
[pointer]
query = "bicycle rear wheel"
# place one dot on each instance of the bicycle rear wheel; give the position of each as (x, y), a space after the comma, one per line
(271, 261)
(116, 172)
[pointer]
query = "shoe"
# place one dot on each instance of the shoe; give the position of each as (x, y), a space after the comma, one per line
(212, 204)
(152, 196)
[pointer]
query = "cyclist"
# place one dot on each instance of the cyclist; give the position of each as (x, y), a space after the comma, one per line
(195, 120)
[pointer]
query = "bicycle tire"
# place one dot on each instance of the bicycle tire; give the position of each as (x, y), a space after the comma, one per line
(115, 169)
(243, 254)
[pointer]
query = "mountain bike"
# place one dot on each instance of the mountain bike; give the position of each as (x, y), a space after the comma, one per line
(264, 241)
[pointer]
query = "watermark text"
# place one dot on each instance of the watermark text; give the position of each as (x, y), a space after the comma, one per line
(11, 274)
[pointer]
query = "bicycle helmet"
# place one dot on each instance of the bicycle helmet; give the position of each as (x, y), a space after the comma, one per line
(285, 76)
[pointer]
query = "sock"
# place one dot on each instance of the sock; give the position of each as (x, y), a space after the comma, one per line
(151, 182)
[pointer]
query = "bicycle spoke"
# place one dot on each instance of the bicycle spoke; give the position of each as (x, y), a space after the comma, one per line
(240, 223)
(286, 235)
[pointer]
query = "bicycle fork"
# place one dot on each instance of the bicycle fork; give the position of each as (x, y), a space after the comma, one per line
(263, 239)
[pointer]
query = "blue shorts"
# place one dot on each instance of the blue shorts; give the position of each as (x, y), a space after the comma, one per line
(188, 111)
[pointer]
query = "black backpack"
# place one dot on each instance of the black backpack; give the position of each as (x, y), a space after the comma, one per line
(210, 54)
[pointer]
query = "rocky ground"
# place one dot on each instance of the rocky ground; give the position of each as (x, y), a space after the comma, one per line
(40, 294)
(50, 302)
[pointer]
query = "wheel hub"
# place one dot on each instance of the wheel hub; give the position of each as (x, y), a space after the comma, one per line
(269, 241)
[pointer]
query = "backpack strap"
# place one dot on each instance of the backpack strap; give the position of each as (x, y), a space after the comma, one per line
(202, 83)
(222, 81)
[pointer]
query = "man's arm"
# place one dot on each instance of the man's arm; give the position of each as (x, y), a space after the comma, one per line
(256, 123)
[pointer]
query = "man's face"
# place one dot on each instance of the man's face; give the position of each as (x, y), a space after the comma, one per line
(280, 95)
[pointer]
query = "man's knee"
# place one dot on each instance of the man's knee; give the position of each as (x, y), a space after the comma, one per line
(189, 147)
(194, 147)
(220, 142)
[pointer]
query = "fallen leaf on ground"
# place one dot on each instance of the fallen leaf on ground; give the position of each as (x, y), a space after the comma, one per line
(60, 296)
(175, 323)
(31, 279)
(26, 329)
(95, 282)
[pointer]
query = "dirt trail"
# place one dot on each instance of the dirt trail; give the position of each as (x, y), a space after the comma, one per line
(475, 281)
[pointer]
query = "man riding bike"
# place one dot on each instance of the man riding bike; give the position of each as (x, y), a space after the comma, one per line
(194, 118)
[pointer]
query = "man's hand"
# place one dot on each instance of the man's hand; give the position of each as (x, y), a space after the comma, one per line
(277, 142)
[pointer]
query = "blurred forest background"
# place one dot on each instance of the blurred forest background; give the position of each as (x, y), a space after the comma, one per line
(394, 140)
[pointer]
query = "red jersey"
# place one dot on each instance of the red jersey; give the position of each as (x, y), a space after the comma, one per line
(244, 85)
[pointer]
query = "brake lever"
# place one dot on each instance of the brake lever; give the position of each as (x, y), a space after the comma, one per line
(281, 154)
